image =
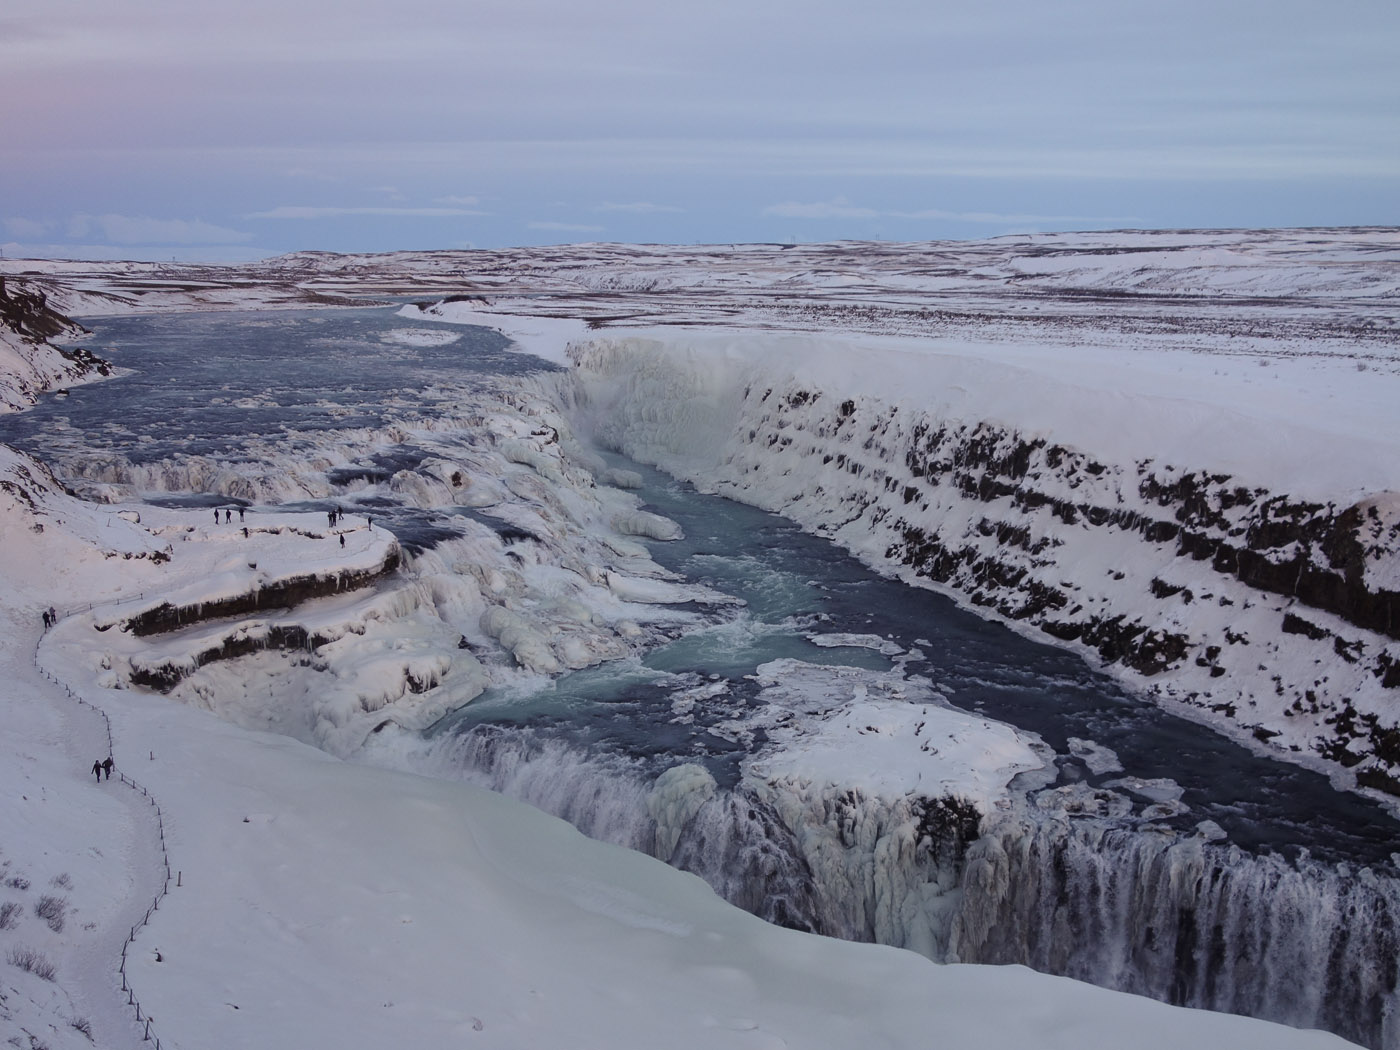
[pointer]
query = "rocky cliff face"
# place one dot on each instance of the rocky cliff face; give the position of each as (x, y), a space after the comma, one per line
(1273, 615)
(29, 363)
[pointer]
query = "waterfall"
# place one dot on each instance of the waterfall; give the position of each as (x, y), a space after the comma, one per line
(1187, 921)
(1141, 909)
(733, 840)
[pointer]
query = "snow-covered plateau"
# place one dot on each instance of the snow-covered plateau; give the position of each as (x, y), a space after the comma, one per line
(1172, 453)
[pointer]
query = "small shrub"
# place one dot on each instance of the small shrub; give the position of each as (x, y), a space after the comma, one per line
(63, 882)
(30, 961)
(9, 914)
(17, 882)
(51, 910)
(83, 1025)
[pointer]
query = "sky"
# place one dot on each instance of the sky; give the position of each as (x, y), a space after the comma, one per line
(155, 129)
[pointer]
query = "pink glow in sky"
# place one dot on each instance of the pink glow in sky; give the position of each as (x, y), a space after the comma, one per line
(158, 127)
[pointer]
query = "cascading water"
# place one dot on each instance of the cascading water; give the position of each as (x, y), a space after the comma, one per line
(1122, 904)
(733, 841)
(1184, 920)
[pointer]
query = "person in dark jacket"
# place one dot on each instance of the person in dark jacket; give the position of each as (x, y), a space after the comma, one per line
(97, 769)
(107, 767)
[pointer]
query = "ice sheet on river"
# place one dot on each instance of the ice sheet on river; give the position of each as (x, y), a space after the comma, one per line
(880, 734)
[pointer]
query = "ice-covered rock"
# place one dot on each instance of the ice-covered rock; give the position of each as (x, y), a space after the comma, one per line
(645, 523)
(529, 646)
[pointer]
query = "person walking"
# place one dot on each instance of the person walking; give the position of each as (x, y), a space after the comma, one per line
(97, 769)
(107, 767)
(240, 513)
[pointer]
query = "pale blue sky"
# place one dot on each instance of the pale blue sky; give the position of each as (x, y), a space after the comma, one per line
(159, 128)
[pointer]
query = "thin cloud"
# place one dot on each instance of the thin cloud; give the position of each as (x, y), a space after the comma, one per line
(317, 176)
(998, 219)
(207, 253)
(639, 208)
(466, 202)
(564, 227)
(298, 212)
(838, 208)
(841, 208)
(129, 229)
(25, 229)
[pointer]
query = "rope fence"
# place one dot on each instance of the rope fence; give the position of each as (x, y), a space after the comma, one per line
(142, 1017)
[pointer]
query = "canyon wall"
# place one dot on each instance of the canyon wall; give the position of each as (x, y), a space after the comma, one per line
(1163, 540)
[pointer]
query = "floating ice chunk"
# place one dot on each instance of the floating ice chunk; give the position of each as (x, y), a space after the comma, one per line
(1164, 810)
(861, 641)
(1157, 790)
(661, 592)
(644, 523)
(586, 650)
(1211, 831)
(683, 701)
(1098, 758)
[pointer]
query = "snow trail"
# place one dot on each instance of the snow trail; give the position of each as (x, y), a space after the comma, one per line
(94, 971)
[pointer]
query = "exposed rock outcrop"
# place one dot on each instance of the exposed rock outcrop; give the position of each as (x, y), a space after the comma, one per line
(29, 363)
